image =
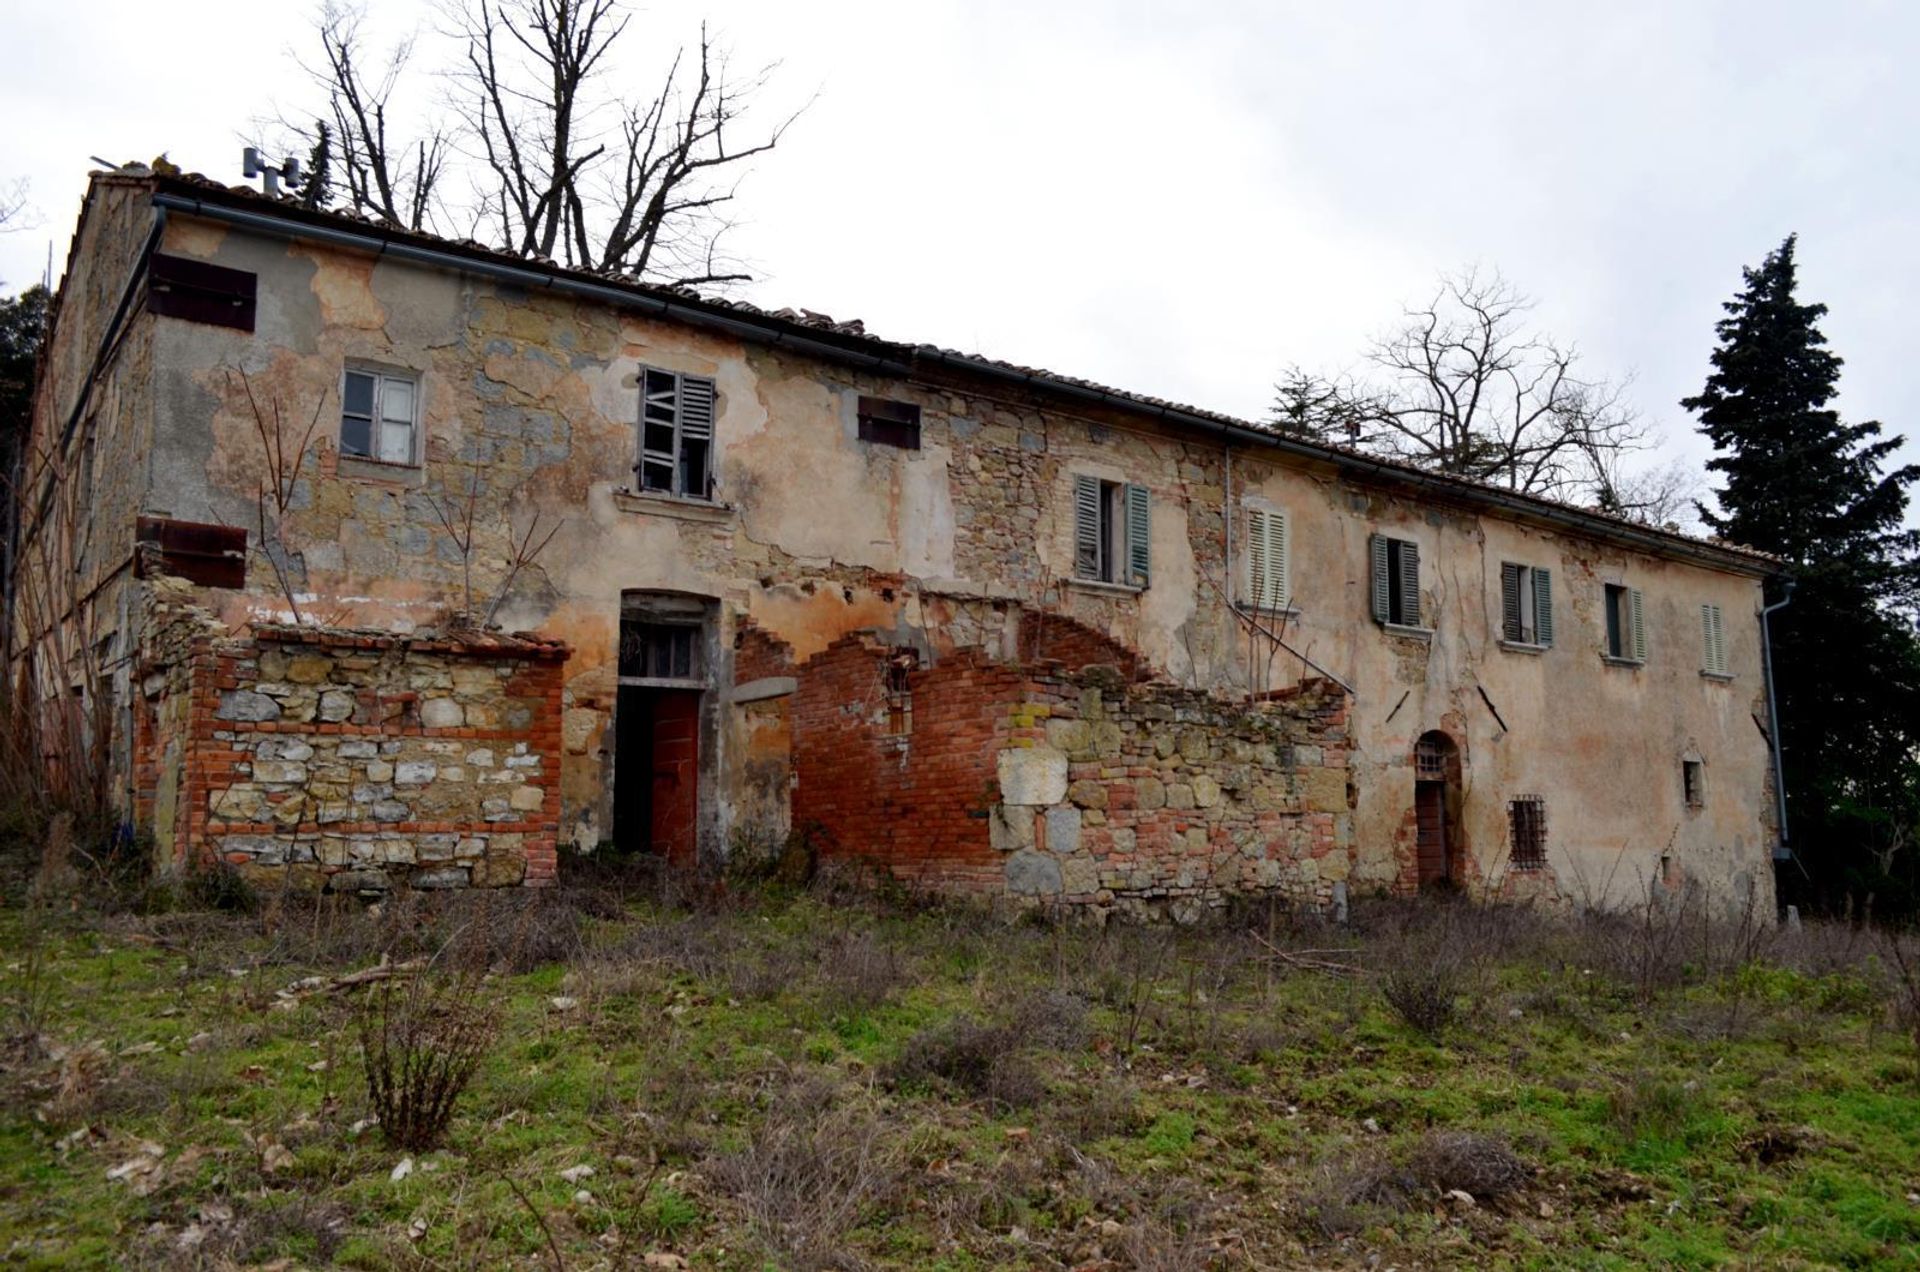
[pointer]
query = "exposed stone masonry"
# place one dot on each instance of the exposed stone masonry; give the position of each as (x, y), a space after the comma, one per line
(358, 761)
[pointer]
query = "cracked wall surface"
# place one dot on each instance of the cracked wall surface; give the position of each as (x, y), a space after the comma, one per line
(529, 405)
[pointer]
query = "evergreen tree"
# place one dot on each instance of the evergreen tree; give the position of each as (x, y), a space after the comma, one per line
(1798, 482)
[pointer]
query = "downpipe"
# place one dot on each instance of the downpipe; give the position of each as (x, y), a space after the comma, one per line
(1781, 850)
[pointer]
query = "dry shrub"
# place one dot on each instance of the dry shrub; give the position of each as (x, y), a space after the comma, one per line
(1052, 1018)
(1424, 993)
(807, 1176)
(858, 971)
(985, 1061)
(422, 1038)
(1351, 1195)
(236, 1232)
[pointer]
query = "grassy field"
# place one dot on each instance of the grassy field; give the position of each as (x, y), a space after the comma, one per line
(813, 1081)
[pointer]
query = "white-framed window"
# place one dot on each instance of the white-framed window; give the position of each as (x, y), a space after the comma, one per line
(379, 416)
(1269, 560)
(676, 434)
(1626, 624)
(1112, 531)
(1526, 604)
(1713, 641)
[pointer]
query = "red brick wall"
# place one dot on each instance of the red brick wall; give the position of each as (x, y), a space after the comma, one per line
(757, 654)
(916, 801)
(1048, 637)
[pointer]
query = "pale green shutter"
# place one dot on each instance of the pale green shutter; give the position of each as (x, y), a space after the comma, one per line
(1706, 638)
(1713, 631)
(1377, 554)
(1637, 624)
(1409, 583)
(1542, 606)
(1139, 535)
(1086, 526)
(1258, 569)
(1510, 628)
(1280, 559)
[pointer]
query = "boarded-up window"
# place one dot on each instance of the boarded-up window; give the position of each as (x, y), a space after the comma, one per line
(1269, 560)
(676, 434)
(180, 287)
(1626, 624)
(1527, 818)
(1526, 604)
(1395, 590)
(210, 555)
(1112, 531)
(889, 423)
(1713, 641)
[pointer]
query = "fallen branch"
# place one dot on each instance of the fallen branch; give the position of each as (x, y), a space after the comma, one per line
(1293, 959)
(387, 969)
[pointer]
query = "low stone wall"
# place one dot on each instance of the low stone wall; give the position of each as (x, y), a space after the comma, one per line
(356, 761)
(1129, 794)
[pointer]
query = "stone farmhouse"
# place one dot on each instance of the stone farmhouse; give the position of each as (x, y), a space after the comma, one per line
(393, 560)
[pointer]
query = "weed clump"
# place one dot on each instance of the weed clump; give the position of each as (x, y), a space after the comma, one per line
(984, 1061)
(422, 1039)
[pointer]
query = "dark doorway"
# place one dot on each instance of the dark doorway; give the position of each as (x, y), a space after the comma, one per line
(1436, 802)
(656, 771)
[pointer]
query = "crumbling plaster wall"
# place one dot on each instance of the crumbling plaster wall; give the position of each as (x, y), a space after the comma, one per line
(816, 534)
(1602, 743)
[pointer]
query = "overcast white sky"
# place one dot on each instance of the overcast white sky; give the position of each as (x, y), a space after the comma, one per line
(1180, 199)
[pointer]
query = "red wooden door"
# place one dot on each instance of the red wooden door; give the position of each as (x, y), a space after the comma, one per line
(1430, 816)
(675, 806)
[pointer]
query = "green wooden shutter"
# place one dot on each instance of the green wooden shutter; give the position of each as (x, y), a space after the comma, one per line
(1409, 583)
(1510, 628)
(1637, 624)
(1377, 554)
(1086, 526)
(1280, 559)
(1542, 606)
(1139, 535)
(1256, 557)
(1720, 642)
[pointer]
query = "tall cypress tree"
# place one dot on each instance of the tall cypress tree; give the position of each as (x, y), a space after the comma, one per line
(1798, 482)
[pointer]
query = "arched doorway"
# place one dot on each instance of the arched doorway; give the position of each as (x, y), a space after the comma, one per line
(1436, 808)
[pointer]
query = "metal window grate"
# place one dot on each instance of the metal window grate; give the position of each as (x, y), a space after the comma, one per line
(1429, 761)
(1527, 816)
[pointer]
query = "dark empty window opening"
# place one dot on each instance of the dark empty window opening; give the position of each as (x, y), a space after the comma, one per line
(1693, 783)
(1626, 624)
(1528, 817)
(889, 423)
(676, 434)
(1111, 531)
(1526, 604)
(180, 287)
(660, 651)
(899, 689)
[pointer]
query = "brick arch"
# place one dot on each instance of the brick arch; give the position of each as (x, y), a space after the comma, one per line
(1050, 637)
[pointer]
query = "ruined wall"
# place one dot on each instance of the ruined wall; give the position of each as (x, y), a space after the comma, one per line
(354, 762)
(1073, 786)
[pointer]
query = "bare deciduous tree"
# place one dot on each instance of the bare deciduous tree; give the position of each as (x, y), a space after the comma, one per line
(562, 167)
(1462, 387)
(382, 172)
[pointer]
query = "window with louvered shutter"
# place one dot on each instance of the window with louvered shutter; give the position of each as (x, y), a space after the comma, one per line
(1713, 640)
(1626, 624)
(676, 434)
(1395, 567)
(1637, 608)
(1268, 569)
(1112, 532)
(1526, 604)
